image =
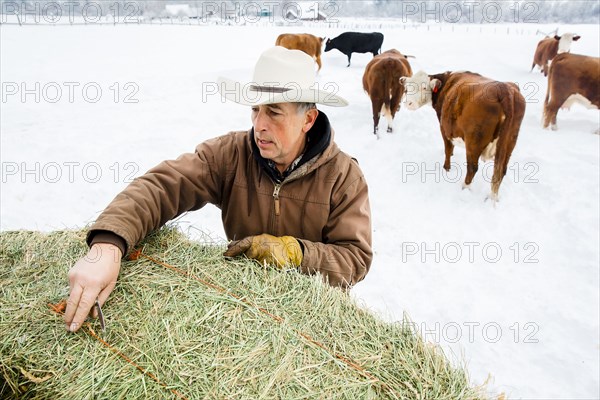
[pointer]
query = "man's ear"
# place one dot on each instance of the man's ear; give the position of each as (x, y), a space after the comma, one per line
(309, 119)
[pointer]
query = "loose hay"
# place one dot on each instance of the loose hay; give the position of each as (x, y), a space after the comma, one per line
(201, 342)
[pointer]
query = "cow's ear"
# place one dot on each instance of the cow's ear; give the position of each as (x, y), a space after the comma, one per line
(556, 37)
(435, 85)
(576, 38)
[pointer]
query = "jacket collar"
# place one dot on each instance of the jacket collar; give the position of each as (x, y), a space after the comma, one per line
(318, 139)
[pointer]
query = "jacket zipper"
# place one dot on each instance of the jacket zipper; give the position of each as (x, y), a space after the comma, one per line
(276, 189)
(277, 206)
(276, 197)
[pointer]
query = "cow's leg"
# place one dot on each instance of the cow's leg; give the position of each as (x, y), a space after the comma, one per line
(349, 57)
(376, 104)
(501, 165)
(394, 107)
(473, 153)
(532, 66)
(318, 60)
(449, 150)
(550, 112)
(472, 166)
(389, 116)
(551, 109)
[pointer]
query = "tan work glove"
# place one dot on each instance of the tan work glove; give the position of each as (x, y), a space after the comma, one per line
(284, 251)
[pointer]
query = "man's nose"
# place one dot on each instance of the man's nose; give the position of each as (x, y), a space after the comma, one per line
(259, 121)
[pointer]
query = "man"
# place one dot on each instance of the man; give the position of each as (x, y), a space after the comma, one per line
(288, 195)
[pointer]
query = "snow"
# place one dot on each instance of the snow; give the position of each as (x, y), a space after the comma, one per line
(511, 290)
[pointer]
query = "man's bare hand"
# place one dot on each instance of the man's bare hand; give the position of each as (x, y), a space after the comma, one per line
(93, 276)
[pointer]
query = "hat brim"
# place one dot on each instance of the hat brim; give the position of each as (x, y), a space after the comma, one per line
(244, 94)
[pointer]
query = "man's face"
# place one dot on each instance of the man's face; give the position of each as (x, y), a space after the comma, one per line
(280, 131)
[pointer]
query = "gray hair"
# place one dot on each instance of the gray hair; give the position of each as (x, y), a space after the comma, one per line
(304, 107)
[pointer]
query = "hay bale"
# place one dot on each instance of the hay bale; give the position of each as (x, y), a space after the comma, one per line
(198, 341)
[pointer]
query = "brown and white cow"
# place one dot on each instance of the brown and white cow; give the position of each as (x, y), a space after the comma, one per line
(482, 113)
(573, 78)
(310, 44)
(382, 83)
(549, 47)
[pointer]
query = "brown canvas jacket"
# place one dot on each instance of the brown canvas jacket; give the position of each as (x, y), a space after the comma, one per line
(324, 203)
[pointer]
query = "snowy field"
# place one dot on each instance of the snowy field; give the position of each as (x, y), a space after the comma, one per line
(512, 291)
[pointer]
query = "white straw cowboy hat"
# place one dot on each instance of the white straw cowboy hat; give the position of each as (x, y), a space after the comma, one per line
(282, 76)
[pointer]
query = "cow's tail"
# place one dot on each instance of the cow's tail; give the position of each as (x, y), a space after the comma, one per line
(513, 106)
(392, 86)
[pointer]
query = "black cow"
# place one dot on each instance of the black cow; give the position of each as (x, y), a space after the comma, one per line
(356, 42)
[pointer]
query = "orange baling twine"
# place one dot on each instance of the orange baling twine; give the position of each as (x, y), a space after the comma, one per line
(136, 254)
(59, 308)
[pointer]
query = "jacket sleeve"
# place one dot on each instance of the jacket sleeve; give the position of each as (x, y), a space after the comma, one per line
(161, 194)
(345, 255)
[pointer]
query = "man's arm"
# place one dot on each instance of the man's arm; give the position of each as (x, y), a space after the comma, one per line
(163, 193)
(166, 191)
(346, 254)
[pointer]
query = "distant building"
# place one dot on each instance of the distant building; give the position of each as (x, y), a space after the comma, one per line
(231, 13)
(265, 12)
(178, 10)
(305, 12)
